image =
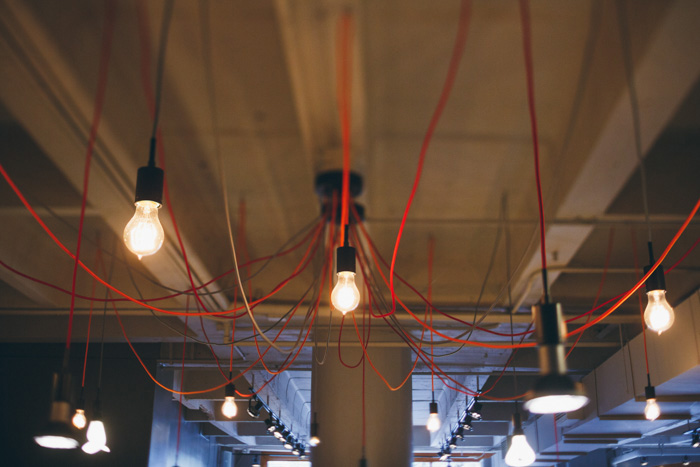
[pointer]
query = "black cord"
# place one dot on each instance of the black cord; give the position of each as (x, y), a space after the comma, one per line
(162, 47)
(104, 320)
(634, 102)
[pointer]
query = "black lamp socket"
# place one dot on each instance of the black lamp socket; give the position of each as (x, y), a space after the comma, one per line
(345, 259)
(149, 184)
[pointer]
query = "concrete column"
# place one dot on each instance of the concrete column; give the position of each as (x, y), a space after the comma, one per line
(337, 400)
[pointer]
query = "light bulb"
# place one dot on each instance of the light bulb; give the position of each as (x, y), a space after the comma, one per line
(143, 234)
(314, 441)
(433, 424)
(56, 442)
(96, 438)
(345, 296)
(658, 315)
(79, 420)
(652, 410)
(560, 403)
(229, 408)
(520, 453)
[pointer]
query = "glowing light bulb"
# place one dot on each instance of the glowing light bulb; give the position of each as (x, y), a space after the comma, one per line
(229, 408)
(143, 234)
(96, 438)
(345, 296)
(79, 420)
(520, 453)
(314, 441)
(658, 315)
(433, 424)
(652, 410)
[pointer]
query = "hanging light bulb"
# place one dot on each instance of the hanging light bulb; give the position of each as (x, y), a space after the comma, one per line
(433, 424)
(228, 408)
(58, 432)
(467, 423)
(96, 435)
(314, 440)
(658, 314)
(79, 419)
(345, 296)
(554, 391)
(519, 453)
(143, 234)
(696, 440)
(289, 442)
(652, 409)
(96, 438)
(256, 461)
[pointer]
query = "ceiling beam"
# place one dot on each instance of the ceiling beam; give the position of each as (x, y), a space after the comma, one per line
(663, 75)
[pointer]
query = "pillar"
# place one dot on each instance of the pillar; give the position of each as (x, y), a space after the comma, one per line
(337, 400)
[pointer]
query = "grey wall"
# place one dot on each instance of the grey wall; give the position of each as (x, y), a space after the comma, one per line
(195, 450)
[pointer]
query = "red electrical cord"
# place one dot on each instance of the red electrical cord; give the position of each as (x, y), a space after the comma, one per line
(105, 54)
(653, 267)
(633, 236)
(457, 51)
(611, 237)
(527, 49)
(344, 88)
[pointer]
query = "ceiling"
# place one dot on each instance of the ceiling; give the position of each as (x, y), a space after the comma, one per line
(256, 83)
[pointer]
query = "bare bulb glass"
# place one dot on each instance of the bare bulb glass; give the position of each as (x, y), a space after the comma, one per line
(652, 410)
(658, 315)
(143, 234)
(229, 408)
(79, 419)
(96, 438)
(345, 296)
(314, 441)
(520, 453)
(433, 424)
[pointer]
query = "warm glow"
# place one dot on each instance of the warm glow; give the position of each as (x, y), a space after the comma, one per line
(79, 420)
(433, 422)
(556, 404)
(56, 442)
(143, 234)
(658, 315)
(520, 453)
(96, 438)
(314, 441)
(345, 296)
(229, 408)
(652, 410)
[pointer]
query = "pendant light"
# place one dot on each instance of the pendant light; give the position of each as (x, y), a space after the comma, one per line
(96, 435)
(144, 235)
(228, 408)
(554, 391)
(519, 453)
(79, 420)
(658, 315)
(59, 433)
(433, 423)
(652, 409)
(314, 440)
(345, 296)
